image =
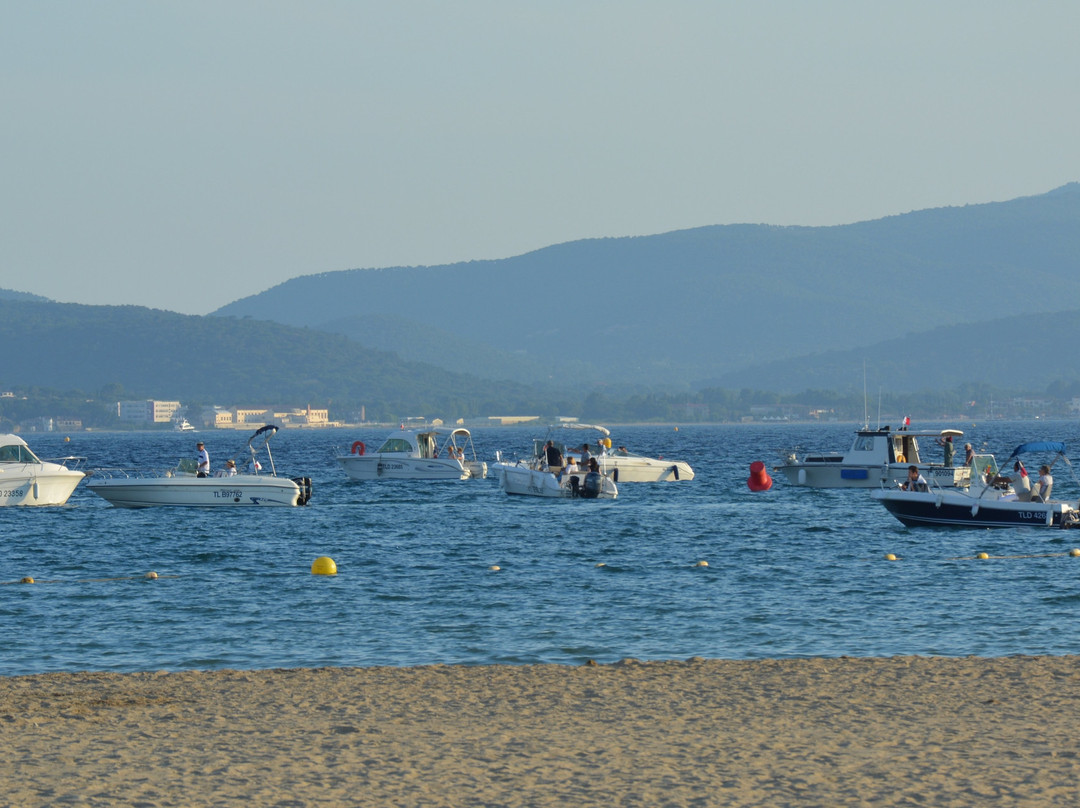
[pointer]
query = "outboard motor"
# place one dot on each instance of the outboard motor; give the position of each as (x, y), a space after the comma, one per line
(594, 484)
(305, 489)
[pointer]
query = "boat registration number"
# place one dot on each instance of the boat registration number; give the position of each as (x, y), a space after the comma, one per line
(227, 494)
(14, 492)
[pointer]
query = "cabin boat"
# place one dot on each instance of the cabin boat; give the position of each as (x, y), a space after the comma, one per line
(876, 457)
(182, 486)
(431, 453)
(25, 479)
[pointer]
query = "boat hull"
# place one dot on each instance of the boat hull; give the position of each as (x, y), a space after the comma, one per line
(243, 490)
(389, 467)
(960, 509)
(521, 480)
(849, 475)
(644, 469)
(33, 484)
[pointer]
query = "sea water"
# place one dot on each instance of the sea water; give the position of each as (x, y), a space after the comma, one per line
(702, 568)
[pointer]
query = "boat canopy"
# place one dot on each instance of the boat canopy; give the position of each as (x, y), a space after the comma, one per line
(576, 425)
(1045, 446)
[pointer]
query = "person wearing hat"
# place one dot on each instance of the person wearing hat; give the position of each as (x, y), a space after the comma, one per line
(202, 463)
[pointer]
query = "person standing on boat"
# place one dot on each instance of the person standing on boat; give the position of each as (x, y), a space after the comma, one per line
(554, 457)
(969, 454)
(585, 455)
(947, 448)
(202, 461)
(915, 481)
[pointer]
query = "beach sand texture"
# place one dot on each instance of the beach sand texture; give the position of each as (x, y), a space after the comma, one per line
(918, 731)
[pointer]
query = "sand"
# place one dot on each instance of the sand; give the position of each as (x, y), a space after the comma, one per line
(911, 731)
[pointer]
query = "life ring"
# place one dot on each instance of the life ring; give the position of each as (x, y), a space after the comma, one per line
(358, 447)
(899, 458)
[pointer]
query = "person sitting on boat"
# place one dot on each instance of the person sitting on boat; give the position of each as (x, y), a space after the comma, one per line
(202, 460)
(915, 481)
(230, 468)
(571, 467)
(1020, 482)
(1046, 485)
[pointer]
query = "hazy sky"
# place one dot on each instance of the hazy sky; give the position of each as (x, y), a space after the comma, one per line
(181, 155)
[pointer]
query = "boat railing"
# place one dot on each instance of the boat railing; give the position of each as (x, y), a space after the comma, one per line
(141, 474)
(74, 460)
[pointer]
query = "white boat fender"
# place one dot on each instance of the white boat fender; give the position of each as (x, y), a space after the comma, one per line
(938, 500)
(37, 492)
(802, 476)
(975, 509)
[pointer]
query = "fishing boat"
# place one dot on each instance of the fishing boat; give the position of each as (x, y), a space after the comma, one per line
(875, 457)
(524, 480)
(620, 464)
(25, 479)
(991, 500)
(430, 453)
(254, 486)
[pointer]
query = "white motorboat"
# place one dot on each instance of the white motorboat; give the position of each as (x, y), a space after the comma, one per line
(990, 500)
(432, 453)
(182, 425)
(620, 464)
(876, 456)
(521, 478)
(25, 479)
(182, 486)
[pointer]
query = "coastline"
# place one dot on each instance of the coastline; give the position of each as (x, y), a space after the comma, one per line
(818, 731)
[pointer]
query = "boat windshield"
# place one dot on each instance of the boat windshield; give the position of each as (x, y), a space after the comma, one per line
(396, 445)
(16, 453)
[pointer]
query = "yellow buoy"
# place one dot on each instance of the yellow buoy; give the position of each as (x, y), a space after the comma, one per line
(890, 557)
(151, 575)
(982, 555)
(494, 568)
(702, 564)
(27, 580)
(324, 565)
(1074, 552)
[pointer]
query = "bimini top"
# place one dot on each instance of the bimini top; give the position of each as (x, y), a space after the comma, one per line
(1039, 446)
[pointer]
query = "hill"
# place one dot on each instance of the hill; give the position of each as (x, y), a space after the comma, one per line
(135, 352)
(679, 309)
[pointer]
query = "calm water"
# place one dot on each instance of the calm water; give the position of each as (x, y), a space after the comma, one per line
(791, 572)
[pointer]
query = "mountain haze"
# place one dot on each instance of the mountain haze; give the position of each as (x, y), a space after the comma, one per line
(687, 307)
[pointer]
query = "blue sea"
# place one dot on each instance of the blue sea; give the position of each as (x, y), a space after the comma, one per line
(789, 572)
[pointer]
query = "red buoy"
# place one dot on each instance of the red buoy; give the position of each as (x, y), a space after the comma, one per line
(759, 478)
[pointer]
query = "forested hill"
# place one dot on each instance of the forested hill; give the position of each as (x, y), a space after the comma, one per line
(693, 305)
(135, 352)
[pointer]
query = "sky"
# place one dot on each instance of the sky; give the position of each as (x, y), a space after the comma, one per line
(183, 155)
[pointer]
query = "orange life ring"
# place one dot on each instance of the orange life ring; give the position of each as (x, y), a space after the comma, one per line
(899, 458)
(358, 447)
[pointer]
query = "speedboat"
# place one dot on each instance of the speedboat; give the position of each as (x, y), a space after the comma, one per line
(521, 478)
(990, 500)
(182, 425)
(621, 465)
(25, 479)
(876, 457)
(432, 453)
(182, 486)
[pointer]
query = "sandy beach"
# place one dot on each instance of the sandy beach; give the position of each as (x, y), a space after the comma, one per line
(898, 731)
